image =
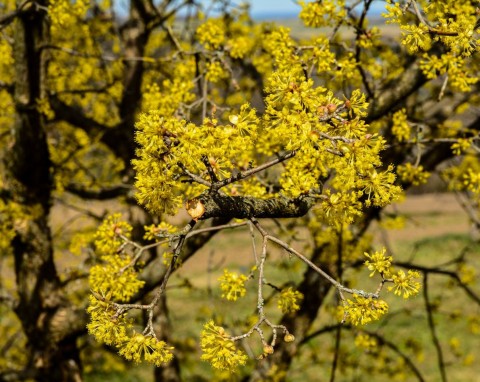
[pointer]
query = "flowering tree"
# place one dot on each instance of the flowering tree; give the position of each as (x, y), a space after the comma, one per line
(239, 126)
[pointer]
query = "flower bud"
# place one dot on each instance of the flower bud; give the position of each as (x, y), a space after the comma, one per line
(267, 349)
(331, 107)
(289, 337)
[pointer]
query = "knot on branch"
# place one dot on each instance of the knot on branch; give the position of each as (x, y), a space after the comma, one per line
(211, 205)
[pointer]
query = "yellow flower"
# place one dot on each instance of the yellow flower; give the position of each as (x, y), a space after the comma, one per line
(401, 128)
(211, 33)
(365, 342)
(378, 262)
(107, 237)
(152, 350)
(362, 310)
(219, 350)
(232, 285)
(288, 300)
(412, 174)
(405, 283)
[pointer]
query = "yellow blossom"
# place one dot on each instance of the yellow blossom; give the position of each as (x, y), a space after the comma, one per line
(362, 310)
(219, 350)
(405, 283)
(378, 262)
(289, 299)
(232, 285)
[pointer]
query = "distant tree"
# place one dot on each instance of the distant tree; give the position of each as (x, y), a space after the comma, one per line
(171, 105)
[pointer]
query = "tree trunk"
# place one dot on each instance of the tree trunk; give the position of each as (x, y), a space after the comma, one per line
(41, 308)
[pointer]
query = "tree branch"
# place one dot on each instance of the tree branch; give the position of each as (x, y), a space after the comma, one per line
(240, 207)
(103, 193)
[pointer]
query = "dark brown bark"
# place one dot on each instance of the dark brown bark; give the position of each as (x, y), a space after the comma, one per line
(135, 34)
(41, 308)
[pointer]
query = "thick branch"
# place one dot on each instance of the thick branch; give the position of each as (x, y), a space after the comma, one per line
(74, 115)
(240, 207)
(409, 82)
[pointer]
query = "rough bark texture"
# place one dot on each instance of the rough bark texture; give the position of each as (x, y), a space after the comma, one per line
(240, 207)
(43, 312)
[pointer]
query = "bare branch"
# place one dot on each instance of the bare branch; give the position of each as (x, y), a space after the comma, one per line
(7, 19)
(431, 325)
(247, 173)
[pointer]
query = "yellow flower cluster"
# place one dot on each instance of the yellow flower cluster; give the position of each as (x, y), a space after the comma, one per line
(64, 13)
(168, 98)
(412, 174)
(378, 187)
(454, 66)
(471, 181)
(115, 276)
(107, 238)
(461, 146)
(324, 58)
(140, 347)
(321, 13)
(405, 283)
(43, 107)
(211, 33)
(6, 57)
(451, 23)
(116, 280)
(468, 274)
(215, 72)
(366, 342)
(378, 262)
(169, 146)
(401, 128)
(219, 350)
(232, 285)
(416, 37)
(105, 325)
(239, 47)
(288, 300)
(361, 310)
(112, 328)
(341, 207)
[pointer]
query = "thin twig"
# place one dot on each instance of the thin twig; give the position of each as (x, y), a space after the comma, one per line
(245, 174)
(431, 325)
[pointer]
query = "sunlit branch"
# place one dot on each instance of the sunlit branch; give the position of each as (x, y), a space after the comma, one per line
(262, 319)
(194, 177)
(247, 173)
(149, 308)
(341, 288)
(431, 29)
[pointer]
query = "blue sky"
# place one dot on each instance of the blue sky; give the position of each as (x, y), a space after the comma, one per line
(279, 8)
(267, 8)
(263, 7)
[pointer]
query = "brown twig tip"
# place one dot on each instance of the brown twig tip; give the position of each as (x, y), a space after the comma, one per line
(195, 208)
